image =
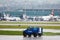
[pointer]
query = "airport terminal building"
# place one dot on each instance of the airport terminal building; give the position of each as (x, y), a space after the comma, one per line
(33, 12)
(30, 13)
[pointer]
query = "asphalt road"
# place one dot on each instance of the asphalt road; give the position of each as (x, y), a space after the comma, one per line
(6, 37)
(44, 30)
(34, 24)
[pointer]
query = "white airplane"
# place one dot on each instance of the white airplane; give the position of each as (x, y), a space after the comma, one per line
(50, 17)
(45, 18)
(9, 18)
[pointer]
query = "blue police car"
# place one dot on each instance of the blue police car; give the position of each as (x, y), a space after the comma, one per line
(35, 31)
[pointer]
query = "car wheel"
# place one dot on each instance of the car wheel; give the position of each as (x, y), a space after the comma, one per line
(29, 35)
(24, 34)
(35, 35)
(39, 35)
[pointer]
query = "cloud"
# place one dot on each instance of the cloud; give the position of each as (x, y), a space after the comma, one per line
(30, 3)
(1, 5)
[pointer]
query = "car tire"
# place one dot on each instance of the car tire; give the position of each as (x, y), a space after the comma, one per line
(35, 35)
(24, 34)
(29, 35)
(39, 34)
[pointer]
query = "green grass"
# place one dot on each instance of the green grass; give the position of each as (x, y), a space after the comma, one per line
(10, 26)
(6, 22)
(25, 26)
(10, 32)
(21, 33)
(50, 33)
(51, 27)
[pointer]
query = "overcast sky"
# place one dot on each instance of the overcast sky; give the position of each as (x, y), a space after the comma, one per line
(30, 3)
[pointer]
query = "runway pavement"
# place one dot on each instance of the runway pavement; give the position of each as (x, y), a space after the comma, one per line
(44, 30)
(6, 37)
(34, 24)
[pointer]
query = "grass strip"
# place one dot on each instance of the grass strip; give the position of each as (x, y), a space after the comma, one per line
(8, 22)
(21, 33)
(13, 26)
(25, 26)
(50, 33)
(10, 32)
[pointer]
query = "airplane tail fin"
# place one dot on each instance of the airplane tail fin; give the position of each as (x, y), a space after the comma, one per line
(52, 13)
